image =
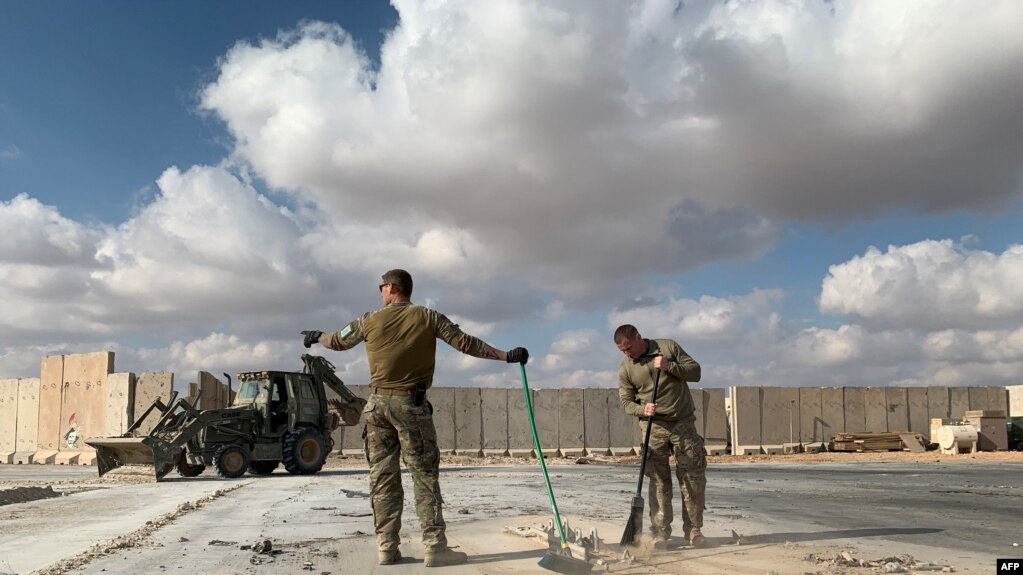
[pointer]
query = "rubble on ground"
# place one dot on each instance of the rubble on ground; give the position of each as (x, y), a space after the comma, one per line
(899, 564)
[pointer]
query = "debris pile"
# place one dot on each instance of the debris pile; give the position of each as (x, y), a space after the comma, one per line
(899, 564)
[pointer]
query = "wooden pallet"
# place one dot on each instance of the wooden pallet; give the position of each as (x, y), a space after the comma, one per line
(875, 441)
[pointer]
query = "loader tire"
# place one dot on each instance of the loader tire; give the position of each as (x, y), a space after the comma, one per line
(231, 460)
(186, 469)
(263, 467)
(304, 451)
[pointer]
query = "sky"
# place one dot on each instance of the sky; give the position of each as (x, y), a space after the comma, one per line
(812, 193)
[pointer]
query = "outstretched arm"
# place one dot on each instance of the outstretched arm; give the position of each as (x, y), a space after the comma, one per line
(349, 336)
(450, 333)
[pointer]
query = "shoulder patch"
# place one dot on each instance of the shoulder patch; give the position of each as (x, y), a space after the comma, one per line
(347, 330)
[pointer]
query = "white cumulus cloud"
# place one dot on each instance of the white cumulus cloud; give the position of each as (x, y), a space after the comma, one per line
(928, 285)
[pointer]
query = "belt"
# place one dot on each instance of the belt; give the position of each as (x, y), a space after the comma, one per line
(392, 392)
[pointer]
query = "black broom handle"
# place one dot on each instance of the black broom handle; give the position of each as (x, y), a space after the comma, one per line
(646, 440)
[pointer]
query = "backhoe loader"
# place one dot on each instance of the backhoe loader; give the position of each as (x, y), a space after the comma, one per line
(276, 417)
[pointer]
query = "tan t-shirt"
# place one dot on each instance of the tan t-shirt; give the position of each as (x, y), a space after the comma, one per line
(401, 343)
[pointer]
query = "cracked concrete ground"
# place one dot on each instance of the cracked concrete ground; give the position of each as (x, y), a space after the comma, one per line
(793, 517)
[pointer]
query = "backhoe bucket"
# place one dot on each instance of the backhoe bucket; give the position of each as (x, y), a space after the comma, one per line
(113, 452)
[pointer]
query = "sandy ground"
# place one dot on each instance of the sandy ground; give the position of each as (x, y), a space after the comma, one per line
(342, 461)
(761, 519)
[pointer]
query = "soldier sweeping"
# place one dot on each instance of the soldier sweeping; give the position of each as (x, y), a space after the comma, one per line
(401, 341)
(672, 417)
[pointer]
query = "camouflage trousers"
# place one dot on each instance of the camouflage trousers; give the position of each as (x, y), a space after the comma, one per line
(681, 439)
(396, 427)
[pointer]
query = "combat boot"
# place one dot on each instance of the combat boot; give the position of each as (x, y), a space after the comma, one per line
(443, 557)
(686, 529)
(660, 542)
(696, 539)
(389, 557)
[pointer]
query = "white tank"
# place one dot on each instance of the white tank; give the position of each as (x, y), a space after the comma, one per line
(952, 436)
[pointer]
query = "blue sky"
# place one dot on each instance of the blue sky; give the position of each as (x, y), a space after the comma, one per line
(190, 184)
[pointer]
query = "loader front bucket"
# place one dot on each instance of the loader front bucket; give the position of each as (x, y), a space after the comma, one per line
(113, 452)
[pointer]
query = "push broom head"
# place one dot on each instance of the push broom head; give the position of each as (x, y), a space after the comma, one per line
(563, 562)
(635, 524)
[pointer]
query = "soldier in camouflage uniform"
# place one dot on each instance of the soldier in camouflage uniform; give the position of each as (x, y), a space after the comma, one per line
(401, 342)
(672, 414)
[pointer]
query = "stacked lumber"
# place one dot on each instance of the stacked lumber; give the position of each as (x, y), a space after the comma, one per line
(873, 441)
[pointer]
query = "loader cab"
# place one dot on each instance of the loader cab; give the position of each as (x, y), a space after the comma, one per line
(267, 393)
(286, 399)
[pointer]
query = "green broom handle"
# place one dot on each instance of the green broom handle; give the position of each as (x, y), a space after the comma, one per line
(539, 455)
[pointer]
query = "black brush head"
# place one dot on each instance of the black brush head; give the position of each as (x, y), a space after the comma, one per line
(635, 524)
(559, 563)
(629, 535)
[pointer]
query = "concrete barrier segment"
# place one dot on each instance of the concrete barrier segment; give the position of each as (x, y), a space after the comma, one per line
(875, 404)
(811, 428)
(715, 421)
(833, 413)
(8, 419)
(780, 419)
(745, 417)
(938, 403)
(26, 439)
(919, 418)
(959, 402)
(120, 389)
(443, 401)
(545, 412)
(979, 398)
(214, 391)
(150, 386)
(51, 376)
(494, 410)
(855, 410)
(596, 420)
(699, 406)
(621, 427)
(83, 405)
(998, 399)
(468, 422)
(897, 404)
(571, 430)
(520, 437)
(1015, 399)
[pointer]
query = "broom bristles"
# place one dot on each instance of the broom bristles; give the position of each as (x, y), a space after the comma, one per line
(634, 524)
(629, 536)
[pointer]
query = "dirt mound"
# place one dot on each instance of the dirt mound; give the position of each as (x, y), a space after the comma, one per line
(26, 494)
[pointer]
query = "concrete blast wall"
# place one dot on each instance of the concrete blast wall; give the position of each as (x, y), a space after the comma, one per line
(46, 420)
(764, 418)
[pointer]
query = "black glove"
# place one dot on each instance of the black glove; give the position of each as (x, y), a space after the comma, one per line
(311, 337)
(518, 355)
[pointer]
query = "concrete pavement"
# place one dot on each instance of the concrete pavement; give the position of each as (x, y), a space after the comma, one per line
(961, 513)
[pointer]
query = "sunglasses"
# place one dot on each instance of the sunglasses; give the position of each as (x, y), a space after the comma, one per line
(381, 286)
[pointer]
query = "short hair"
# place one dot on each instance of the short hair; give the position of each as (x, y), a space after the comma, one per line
(400, 278)
(624, 332)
